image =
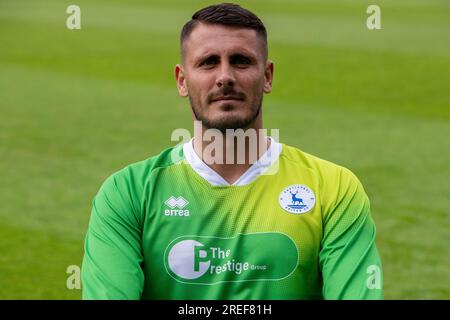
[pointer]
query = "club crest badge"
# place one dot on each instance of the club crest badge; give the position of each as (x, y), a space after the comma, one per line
(297, 199)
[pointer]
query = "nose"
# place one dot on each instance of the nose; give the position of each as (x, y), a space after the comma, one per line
(225, 76)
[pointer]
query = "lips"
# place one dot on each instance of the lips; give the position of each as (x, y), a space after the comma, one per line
(225, 98)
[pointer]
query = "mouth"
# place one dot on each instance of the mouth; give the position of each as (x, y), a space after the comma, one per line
(227, 98)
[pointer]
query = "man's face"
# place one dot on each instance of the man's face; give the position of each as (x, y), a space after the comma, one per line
(224, 74)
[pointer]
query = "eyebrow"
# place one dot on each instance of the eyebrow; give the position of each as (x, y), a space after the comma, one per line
(205, 57)
(244, 54)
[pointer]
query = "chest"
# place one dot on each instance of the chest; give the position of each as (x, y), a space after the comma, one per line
(226, 234)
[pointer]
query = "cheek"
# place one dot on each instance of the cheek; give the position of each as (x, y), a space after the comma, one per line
(254, 83)
(199, 86)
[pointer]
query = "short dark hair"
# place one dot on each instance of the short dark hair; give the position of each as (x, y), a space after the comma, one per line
(227, 14)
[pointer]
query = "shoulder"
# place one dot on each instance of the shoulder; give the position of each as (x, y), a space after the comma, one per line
(137, 173)
(323, 169)
(124, 188)
(120, 197)
(335, 183)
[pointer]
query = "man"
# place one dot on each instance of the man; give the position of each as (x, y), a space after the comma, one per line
(186, 224)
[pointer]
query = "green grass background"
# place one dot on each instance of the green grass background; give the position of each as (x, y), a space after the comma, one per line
(77, 105)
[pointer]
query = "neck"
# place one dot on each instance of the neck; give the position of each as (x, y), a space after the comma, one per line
(230, 155)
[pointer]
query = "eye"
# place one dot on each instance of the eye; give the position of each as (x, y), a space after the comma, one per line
(208, 62)
(241, 61)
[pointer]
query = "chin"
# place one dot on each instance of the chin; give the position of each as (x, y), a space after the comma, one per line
(227, 116)
(230, 122)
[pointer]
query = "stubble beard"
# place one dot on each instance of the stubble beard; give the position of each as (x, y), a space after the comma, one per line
(228, 123)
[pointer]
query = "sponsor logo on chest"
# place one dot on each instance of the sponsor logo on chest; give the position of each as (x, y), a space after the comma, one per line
(245, 257)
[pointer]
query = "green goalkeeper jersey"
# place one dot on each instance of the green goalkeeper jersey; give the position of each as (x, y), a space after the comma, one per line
(292, 227)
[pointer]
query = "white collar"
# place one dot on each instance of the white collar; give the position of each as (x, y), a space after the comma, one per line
(264, 162)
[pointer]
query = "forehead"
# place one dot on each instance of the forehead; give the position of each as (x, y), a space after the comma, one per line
(217, 39)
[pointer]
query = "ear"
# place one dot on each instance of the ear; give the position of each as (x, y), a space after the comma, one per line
(268, 76)
(181, 80)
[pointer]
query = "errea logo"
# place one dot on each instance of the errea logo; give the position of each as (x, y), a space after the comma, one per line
(176, 206)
